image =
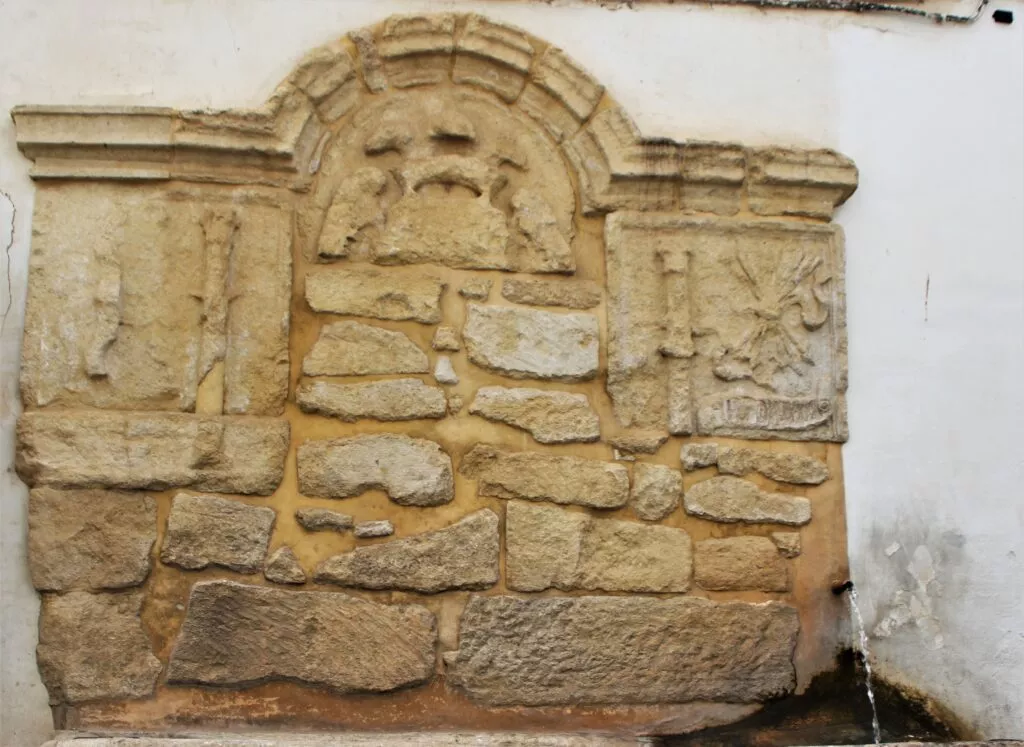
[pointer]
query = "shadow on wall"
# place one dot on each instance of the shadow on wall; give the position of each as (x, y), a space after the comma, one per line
(834, 710)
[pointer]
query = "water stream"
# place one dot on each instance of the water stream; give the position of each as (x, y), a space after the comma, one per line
(863, 643)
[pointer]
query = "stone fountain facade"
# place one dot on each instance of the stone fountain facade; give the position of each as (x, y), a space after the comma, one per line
(431, 395)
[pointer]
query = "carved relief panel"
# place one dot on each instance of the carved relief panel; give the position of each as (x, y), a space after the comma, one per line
(429, 389)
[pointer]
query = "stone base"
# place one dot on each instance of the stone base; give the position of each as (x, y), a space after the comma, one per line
(398, 739)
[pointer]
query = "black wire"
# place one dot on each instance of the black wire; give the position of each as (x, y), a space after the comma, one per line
(858, 7)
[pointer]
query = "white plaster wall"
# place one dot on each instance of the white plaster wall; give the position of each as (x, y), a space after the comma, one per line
(934, 117)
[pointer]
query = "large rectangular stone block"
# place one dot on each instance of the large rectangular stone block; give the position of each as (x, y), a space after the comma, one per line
(619, 650)
(237, 635)
(151, 451)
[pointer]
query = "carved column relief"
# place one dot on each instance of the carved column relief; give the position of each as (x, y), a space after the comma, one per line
(395, 397)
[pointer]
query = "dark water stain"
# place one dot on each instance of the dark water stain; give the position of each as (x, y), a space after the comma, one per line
(834, 710)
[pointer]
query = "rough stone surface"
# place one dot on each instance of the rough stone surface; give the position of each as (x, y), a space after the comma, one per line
(572, 294)
(551, 417)
(89, 539)
(477, 289)
(151, 451)
(283, 567)
(357, 349)
(238, 635)
(656, 491)
(538, 476)
(356, 206)
(528, 343)
(447, 339)
(461, 556)
(730, 499)
(375, 739)
(317, 519)
(698, 456)
(444, 372)
(378, 528)
(638, 442)
(792, 468)
(547, 547)
(605, 650)
(394, 399)
(788, 543)
(206, 530)
(93, 647)
(740, 563)
(412, 471)
(394, 294)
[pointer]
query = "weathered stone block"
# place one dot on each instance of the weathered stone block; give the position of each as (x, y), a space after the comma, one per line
(619, 650)
(236, 635)
(494, 56)
(394, 399)
(205, 530)
(412, 471)
(698, 456)
(89, 539)
(317, 519)
(151, 451)
(394, 293)
(740, 563)
(356, 349)
(656, 491)
(551, 417)
(461, 556)
(549, 547)
(545, 477)
(527, 343)
(792, 468)
(283, 567)
(476, 289)
(572, 294)
(788, 543)
(638, 442)
(444, 372)
(370, 529)
(92, 647)
(730, 499)
(447, 339)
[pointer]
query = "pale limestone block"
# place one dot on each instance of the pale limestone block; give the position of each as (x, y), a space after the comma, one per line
(656, 491)
(151, 451)
(730, 499)
(571, 294)
(476, 289)
(393, 294)
(317, 519)
(206, 530)
(357, 349)
(527, 343)
(237, 634)
(89, 539)
(598, 650)
(93, 647)
(412, 471)
(544, 247)
(551, 417)
(356, 206)
(447, 339)
(740, 563)
(390, 400)
(698, 456)
(444, 372)
(493, 56)
(638, 442)
(370, 529)
(283, 567)
(461, 556)
(549, 547)
(791, 468)
(537, 476)
(788, 543)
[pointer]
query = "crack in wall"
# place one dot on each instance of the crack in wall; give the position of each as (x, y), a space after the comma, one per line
(7, 263)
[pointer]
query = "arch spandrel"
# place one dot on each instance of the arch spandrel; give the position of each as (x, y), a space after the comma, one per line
(593, 383)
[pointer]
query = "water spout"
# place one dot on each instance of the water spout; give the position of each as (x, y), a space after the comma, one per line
(863, 645)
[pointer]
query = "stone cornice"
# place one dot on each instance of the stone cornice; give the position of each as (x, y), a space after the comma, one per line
(277, 144)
